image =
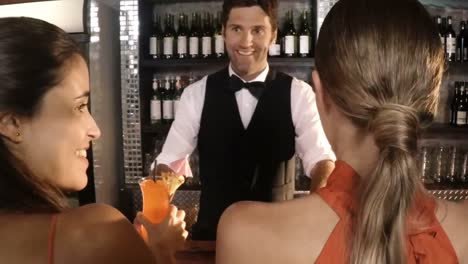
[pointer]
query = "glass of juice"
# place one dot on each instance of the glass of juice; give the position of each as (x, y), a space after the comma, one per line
(156, 199)
(157, 192)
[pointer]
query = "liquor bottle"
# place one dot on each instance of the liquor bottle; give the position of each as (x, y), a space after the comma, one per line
(290, 37)
(155, 103)
(182, 37)
(275, 48)
(461, 39)
(462, 106)
(450, 41)
(282, 35)
(168, 103)
(169, 34)
(191, 78)
(194, 39)
(206, 37)
(304, 37)
(156, 38)
(438, 22)
(313, 31)
(442, 22)
(465, 45)
(177, 93)
(218, 37)
(454, 104)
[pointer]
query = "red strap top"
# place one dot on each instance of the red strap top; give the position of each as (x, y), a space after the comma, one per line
(426, 243)
(53, 224)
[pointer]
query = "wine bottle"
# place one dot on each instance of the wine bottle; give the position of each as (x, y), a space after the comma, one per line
(182, 36)
(441, 29)
(275, 48)
(169, 35)
(206, 37)
(450, 41)
(155, 103)
(168, 103)
(194, 39)
(304, 37)
(177, 94)
(290, 37)
(454, 104)
(462, 106)
(156, 38)
(218, 37)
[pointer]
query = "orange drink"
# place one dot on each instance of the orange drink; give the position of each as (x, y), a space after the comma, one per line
(155, 193)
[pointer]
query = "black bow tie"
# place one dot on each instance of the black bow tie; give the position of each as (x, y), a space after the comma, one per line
(255, 88)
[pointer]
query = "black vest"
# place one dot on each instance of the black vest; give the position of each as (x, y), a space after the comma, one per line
(237, 164)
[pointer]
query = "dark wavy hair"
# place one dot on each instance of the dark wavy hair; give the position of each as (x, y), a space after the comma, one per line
(33, 56)
(270, 7)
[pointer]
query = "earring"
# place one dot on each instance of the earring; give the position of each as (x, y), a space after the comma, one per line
(18, 134)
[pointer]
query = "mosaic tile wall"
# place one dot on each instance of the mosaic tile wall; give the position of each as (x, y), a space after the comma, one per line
(130, 90)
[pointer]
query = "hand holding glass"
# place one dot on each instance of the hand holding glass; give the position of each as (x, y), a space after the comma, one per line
(157, 192)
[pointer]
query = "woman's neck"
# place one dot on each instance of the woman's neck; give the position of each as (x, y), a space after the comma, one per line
(357, 148)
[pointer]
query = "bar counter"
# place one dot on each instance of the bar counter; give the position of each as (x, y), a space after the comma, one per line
(197, 252)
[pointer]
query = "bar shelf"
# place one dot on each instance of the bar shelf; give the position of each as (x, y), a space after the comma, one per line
(175, 63)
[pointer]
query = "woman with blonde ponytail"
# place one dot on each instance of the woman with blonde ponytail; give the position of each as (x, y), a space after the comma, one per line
(379, 66)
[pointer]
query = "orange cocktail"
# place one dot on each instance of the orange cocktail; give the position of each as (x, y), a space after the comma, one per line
(156, 198)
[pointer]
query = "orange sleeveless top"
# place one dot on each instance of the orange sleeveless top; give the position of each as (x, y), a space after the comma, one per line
(426, 241)
(50, 253)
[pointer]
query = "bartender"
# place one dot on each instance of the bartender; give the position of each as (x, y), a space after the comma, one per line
(247, 121)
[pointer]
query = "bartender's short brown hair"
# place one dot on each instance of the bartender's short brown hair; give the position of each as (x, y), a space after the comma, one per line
(270, 7)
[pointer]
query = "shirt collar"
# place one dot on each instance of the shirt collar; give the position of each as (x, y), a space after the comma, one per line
(260, 78)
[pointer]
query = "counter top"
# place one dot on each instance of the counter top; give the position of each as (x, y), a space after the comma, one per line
(197, 252)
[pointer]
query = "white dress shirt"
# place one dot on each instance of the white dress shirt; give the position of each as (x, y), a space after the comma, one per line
(311, 143)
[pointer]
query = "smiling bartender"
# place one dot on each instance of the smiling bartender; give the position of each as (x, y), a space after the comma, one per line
(247, 121)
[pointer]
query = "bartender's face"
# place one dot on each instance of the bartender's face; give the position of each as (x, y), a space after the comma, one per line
(54, 141)
(248, 35)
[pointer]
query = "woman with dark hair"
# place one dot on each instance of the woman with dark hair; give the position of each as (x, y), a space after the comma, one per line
(379, 69)
(45, 130)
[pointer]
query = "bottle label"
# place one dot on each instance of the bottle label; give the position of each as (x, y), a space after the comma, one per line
(168, 109)
(219, 44)
(451, 45)
(274, 49)
(193, 46)
(153, 46)
(168, 46)
(176, 106)
(155, 110)
(182, 45)
(206, 45)
(465, 53)
(304, 44)
(289, 45)
(461, 118)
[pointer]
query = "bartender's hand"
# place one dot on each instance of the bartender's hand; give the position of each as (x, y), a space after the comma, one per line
(165, 238)
(161, 168)
(319, 174)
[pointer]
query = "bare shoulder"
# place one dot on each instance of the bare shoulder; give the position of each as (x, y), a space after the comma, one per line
(263, 227)
(98, 233)
(452, 217)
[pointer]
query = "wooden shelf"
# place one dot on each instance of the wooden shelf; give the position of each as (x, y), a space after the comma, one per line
(160, 128)
(193, 1)
(173, 63)
(80, 37)
(180, 1)
(438, 130)
(458, 67)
